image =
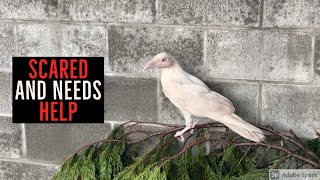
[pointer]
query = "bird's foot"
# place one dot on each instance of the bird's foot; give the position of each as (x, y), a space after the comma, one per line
(180, 133)
(192, 125)
(179, 136)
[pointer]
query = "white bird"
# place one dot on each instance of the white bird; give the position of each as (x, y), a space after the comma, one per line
(192, 97)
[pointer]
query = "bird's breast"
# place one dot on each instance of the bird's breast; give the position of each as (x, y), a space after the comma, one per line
(177, 94)
(172, 90)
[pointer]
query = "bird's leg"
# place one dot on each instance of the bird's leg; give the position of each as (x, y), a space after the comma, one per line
(192, 127)
(180, 133)
(189, 125)
(189, 122)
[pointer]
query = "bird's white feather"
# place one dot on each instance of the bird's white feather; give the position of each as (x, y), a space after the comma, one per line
(190, 95)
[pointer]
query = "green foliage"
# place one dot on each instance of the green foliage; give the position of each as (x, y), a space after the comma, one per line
(146, 166)
(314, 145)
(112, 159)
(97, 161)
(256, 174)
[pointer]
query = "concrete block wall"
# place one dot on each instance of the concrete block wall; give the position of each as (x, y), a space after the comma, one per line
(264, 55)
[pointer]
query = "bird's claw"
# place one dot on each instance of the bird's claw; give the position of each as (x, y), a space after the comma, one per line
(192, 128)
(179, 136)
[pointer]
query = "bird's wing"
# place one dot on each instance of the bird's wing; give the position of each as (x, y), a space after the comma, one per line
(198, 81)
(195, 97)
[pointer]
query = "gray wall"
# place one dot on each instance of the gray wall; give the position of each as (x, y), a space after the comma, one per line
(263, 55)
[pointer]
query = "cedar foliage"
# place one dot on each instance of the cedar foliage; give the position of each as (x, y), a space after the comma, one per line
(115, 159)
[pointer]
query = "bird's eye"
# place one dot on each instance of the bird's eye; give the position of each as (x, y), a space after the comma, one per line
(164, 59)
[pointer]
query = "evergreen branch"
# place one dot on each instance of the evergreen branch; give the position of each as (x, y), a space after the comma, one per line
(302, 158)
(111, 159)
(96, 143)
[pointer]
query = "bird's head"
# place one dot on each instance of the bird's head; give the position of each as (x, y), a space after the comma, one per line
(161, 60)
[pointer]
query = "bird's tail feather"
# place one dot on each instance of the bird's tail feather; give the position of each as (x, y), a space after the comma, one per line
(243, 128)
(248, 134)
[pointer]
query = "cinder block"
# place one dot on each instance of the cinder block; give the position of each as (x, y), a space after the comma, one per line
(61, 40)
(56, 142)
(288, 13)
(10, 138)
(129, 99)
(83, 40)
(207, 12)
(26, 171)
(130, 11)
(6, 44)
(131, 48)
(29, 10)
(291, 107)
(38, 40)
(317, 58)
(5, 92)
(243, 96)
(259, 55)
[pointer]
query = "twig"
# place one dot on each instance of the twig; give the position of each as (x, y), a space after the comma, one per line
(244, 156)
(208, 125)
(153, 123)
(263, 155)
(154, 134)
(302, 164)
(318, 134)
(310, 161)
(186, 148)
(305, 148)
(282, 160)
